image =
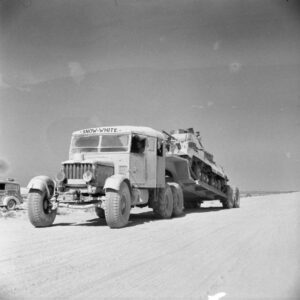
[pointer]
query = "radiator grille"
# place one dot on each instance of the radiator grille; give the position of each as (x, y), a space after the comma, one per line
(75, 171)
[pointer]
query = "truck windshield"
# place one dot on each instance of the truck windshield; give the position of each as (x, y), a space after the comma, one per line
(114, 143)
(100, 143)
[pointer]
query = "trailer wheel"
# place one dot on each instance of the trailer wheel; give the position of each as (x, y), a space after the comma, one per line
(177, 199)
(236, 198)
(228, 203)
(163, 206)
(117, 206)
(100, 212)
(39, 210)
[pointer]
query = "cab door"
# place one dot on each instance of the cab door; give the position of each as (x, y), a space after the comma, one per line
(151, 162)
(161, 164)
(137, 163)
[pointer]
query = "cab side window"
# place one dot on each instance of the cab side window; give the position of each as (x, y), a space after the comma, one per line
(2, 186)
(160, 147)
(138, 144)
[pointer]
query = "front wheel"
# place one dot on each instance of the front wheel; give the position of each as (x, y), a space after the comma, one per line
(39, 209)
(11, 204)
(117, 206)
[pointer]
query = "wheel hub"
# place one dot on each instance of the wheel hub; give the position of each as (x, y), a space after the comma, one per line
(123, 205)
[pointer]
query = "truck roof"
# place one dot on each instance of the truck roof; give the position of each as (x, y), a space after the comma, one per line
(120, 129)
(8, 181)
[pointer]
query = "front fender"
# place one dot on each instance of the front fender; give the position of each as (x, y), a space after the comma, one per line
(7, 198)
(113, 182)
(43, 184)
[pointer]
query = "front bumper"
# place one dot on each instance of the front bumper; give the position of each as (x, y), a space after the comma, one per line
(77, 200)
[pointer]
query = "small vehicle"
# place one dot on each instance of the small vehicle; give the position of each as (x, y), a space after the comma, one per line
(10, 195)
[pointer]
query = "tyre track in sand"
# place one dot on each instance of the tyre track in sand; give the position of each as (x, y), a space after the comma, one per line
(242, 252)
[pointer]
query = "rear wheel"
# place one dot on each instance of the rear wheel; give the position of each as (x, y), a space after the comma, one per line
(228, 203)
(236, 198)
(177, 199)
(163, 206)
(39, 209)
(11, 204)
(117, 206)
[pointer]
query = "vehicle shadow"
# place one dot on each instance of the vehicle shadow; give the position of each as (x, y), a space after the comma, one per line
(137, 219)
(62, 224)
(201, 210)
(134, 220)
(90, 222)
(146, 217)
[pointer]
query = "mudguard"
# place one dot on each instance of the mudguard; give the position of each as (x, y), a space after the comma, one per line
(113, 182)
(43, 184)
(7, 198)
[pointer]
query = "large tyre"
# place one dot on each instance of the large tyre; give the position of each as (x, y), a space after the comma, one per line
(228, 203)
(100, 212)
(117, 206)
(236, 198)
(11, 204)
(177, 199)
(163, 206)
(39, 212)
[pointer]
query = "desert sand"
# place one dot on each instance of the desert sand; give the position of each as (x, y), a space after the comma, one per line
(208, 253)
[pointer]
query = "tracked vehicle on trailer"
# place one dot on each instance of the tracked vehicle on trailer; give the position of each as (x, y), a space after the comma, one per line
(116, 168)
(209, 181)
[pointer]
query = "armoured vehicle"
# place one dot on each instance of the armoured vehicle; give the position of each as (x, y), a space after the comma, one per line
(10, 195)
(115, 169)
(208, 176)
(187, 144)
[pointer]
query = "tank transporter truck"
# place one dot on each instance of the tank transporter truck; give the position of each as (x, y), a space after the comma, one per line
(114, 169)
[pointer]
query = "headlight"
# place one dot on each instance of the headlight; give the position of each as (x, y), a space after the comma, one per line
(87, 176)
(60, 176)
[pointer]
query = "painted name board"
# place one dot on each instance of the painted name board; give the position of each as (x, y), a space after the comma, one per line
(100, 130)
(121, 129)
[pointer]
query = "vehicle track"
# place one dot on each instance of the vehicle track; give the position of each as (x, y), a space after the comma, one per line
(247, 253)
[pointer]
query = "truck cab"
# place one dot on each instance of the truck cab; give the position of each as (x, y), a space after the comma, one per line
(133, 153)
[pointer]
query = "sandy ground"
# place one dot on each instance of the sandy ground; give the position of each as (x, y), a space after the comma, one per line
(246, 253)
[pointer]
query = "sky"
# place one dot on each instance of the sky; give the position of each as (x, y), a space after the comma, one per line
(230, 69)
